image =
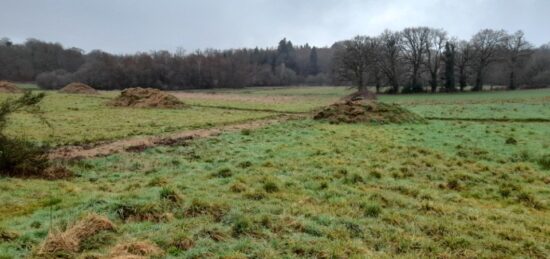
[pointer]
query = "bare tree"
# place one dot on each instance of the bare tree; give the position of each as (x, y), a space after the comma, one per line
(434, 47)
(352, 61)
(388, 57)
(486, 44)
(517, 49)
(415, 40)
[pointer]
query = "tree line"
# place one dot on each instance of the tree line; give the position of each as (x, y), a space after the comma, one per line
(415, 59)
(420, 59)
(52, 66)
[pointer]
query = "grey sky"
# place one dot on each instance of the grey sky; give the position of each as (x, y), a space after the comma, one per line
(127, 26)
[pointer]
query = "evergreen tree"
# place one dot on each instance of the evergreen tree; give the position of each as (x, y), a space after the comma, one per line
(449, 67)
(313, 62)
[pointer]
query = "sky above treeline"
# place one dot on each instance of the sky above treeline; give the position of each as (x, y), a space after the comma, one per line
(129, 26)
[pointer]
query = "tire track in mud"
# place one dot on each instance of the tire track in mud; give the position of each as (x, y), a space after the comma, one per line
(138, 144)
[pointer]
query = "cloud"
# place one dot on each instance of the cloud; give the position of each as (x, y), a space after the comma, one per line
(127, 26)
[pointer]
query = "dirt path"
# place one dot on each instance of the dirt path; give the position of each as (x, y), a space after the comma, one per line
(140, 143)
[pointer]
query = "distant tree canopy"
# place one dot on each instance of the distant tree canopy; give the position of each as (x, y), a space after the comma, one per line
(415, 59)
(419, 59)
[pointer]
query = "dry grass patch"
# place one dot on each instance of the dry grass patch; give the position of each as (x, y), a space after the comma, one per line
(136, 249)
(68, 242)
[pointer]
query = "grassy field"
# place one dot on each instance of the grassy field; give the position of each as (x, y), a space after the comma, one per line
(77, 119)
(304, 188)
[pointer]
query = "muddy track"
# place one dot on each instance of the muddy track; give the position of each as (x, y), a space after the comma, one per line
(137, 144)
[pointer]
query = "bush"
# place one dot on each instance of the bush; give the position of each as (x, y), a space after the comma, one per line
(20, 158)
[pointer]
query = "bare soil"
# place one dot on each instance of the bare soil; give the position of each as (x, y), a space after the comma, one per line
(9, 87)
(146, 98)
(361, 95)
(78, 88)
(366, 111)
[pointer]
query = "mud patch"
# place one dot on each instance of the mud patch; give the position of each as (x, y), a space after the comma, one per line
(9, 87)
(363, 111)
(146, 98)
(78, 88)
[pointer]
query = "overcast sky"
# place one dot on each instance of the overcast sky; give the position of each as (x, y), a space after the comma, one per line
(127, 26)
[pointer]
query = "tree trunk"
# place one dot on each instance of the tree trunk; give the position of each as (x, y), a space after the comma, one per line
(360, 83)
(433, 82)
(512, 84)
(395, 85)
(462, 79)
(414, 83)
(479, 80)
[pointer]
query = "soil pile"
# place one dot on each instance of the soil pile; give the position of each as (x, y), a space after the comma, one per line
(362, 111)
(146, 97)
(78, 88)
(9, 87)
(360, 96)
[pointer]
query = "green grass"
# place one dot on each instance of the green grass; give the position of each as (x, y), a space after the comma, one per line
(281, 99)
(308, 188)
(526, 104)
(84, 119)
(30, 86)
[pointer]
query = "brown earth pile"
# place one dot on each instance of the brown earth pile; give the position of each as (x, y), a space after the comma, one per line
(146, 97)
(360, 95)
(68, 242)
(363, 111)
(9, 87)
(78, 88)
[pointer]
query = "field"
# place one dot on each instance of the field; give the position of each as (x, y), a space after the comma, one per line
(472, 182)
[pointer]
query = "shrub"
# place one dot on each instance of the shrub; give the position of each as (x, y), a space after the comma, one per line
(18, 157)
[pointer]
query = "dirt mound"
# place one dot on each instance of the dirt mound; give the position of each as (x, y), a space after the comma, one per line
(9, 87)
(138, 249)
(360, 95)
(146, 97)
(68, 242)
(367, 111)
(78, 88)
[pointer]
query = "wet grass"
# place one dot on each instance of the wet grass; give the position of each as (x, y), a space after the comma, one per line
(311, 189)
(476, 189)
(80, 119)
